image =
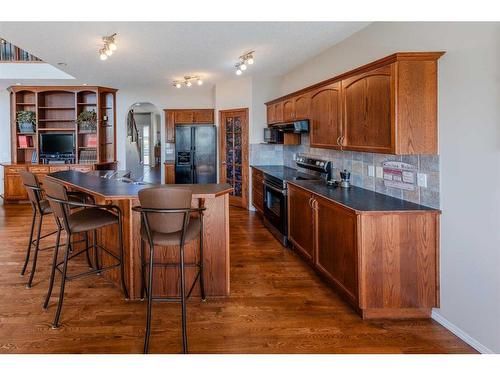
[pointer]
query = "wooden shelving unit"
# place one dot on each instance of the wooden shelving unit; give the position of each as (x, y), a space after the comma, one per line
(57, 109)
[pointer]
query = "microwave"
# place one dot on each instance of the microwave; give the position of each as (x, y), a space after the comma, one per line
(272, 135)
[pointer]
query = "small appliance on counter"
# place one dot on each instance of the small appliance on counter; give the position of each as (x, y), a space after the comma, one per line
(345, 177)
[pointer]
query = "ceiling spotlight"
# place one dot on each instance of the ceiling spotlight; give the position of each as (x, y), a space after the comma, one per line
(188, 83)
(84, 84)
(250, 60)
(18, 84)
(109, 45)
(199, 82)
(243, 67)
(177, 85)
(238, 71)
(102, 54)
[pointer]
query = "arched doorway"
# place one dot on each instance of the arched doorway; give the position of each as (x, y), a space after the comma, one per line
(143, 145)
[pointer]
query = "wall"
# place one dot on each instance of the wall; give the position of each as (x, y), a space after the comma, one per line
(469, 144)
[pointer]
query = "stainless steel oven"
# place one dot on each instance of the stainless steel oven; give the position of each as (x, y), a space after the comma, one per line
(275, 207)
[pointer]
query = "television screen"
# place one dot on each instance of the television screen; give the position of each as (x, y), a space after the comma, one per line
(63, 143)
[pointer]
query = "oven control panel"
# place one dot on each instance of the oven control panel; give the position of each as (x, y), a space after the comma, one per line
(312, 163)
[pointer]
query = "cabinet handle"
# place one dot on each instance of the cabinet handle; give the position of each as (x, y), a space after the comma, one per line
(310, 202)
(315, 204)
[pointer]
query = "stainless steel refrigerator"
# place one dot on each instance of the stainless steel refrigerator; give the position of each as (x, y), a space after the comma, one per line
(195, 154)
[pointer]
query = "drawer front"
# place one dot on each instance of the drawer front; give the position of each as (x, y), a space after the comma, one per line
(58, 168)
(81, 168)
(39, 169)
(14, 169)
(257, 174)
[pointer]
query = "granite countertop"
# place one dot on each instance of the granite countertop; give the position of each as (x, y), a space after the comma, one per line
(358, 199)
(116, 189)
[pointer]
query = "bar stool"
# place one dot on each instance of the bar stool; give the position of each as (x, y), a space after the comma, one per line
(40, 207)
(166, 221)
(91, 218)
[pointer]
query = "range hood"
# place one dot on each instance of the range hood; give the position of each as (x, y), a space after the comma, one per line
(301, 126)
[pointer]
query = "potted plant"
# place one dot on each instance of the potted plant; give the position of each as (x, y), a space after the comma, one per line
(87, 121)
(26, 121)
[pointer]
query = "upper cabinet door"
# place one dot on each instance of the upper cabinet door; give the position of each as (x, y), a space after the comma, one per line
(184, 117)
(325, 116)
(203, 116)
(288, 109)
(301, 106)
(270, 114)
(170, 126)
(278, 112)
(367, 120)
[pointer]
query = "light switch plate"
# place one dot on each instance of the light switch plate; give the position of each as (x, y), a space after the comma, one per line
(422, 180)
(380, 172)
(371, 170)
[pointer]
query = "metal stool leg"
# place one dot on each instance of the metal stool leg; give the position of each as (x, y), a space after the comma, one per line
(28, 251)
(63, 283)
(35, 256)
(122, 258)
(183, 303)
(202, 279)
(54, 263)
(96, 255)
(87, 253)
(150, 298)
(143, 276)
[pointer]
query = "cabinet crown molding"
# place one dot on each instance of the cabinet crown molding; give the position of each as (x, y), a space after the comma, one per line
(398, 56)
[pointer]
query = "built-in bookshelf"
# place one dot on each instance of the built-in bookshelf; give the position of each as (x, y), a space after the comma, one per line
(56, 109)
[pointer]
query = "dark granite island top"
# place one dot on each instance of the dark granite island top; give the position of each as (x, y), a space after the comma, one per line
(358, 199)
(116, 189)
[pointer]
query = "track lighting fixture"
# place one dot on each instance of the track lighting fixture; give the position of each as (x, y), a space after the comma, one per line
(188, 81)
(109, 46)
(244, 61)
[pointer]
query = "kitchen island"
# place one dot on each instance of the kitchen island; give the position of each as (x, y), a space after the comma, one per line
(214, 197)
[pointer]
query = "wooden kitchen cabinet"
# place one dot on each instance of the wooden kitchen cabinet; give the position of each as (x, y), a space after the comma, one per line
(185, 117)
(258, 190)
(203, 116)
(170, 173)
(274, 113)
(14, 188)
(296, 108)
(384, 263)
(367, 99)
(326, 116)
(387, 106)
(336, 255)
(301, 221)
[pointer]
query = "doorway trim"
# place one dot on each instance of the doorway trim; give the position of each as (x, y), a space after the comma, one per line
(235, 201)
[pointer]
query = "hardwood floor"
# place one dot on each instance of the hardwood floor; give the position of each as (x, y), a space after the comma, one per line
(277, 305)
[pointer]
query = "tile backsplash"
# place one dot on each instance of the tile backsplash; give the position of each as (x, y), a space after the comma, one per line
(358, 163)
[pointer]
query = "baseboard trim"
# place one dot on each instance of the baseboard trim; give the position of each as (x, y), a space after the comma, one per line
(461, 334)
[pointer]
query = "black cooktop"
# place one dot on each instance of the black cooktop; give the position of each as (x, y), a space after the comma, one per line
(283, 173)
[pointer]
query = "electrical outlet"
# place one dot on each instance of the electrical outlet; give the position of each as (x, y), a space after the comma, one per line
(422, 180)
(380, 172)
(371, 170)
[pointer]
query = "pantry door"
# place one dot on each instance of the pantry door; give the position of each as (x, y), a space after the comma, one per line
(233, 125)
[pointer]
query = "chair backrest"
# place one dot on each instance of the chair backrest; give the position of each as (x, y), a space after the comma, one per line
(31, 183)
(165, 198)
(58, 191)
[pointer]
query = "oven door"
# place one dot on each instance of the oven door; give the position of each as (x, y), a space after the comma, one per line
(275, 207)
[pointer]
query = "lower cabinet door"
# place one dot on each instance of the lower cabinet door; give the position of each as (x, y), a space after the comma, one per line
(301, 221)
(336, 248)
(14, 188)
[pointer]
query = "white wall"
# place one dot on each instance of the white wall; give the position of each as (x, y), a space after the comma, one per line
(469, 146)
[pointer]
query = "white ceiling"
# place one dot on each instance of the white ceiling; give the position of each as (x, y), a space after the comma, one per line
(155, 53)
